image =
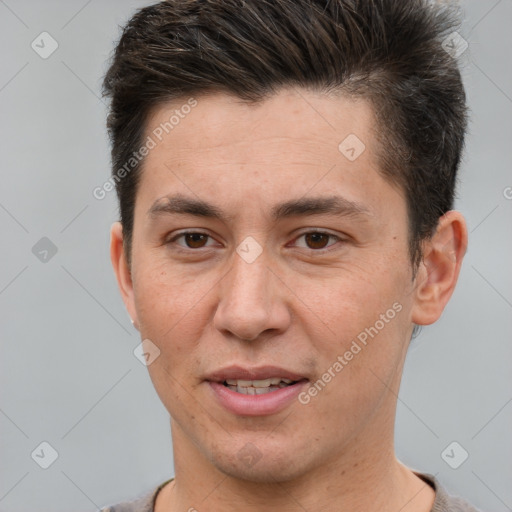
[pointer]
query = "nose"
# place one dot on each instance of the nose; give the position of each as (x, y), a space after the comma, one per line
(251, 302)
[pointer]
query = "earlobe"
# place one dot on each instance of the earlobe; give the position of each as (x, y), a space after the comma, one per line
(440, 267)
(122, 271)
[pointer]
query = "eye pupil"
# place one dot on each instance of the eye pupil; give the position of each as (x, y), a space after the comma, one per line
(194, 240)
(315, 239)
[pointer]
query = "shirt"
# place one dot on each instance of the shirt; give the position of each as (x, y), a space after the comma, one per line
(443, 501)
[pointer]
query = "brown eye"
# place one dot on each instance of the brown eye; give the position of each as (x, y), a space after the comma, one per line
(195, 240)
(190, 240)
(316, 240)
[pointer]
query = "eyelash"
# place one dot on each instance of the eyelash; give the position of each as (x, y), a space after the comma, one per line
(189, 249)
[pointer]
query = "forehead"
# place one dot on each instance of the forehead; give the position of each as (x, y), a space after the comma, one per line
(212, 121)
(285, 145)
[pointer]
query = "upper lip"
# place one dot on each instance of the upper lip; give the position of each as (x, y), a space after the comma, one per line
(252, 373)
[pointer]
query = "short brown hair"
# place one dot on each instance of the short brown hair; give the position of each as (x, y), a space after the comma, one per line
(387, 51)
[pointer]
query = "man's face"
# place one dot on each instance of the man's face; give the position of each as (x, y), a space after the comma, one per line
(263, 286)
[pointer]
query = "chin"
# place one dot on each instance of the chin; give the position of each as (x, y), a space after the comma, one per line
(268, 465)
(261, 473)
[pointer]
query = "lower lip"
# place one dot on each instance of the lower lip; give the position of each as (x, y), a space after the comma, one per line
(256, 405)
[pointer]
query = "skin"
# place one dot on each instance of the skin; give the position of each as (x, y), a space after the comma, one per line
(295, 306)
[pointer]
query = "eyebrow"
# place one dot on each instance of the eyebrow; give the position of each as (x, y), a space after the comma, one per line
(335, 205)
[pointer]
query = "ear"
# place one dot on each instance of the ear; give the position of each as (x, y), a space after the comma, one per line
(122, 270)
(439, 270)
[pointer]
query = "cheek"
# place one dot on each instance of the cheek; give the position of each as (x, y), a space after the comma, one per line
(358, 362)
(353, 298)
(168, 302)
(171, 315)
(364, 318)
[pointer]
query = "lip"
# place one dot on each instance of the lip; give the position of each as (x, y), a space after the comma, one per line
(255, 373)
(255, 405)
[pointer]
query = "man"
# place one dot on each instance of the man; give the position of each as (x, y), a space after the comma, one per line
(286, 172)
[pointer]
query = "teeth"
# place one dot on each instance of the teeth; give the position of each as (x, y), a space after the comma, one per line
(274, 381)
(250, 391)
(264, 383)
(257, 387)
(255, 391)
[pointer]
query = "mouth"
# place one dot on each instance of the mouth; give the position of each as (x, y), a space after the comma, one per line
(255, 391)
(258, 387)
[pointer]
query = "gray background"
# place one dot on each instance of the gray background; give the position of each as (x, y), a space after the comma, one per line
(68, 373)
